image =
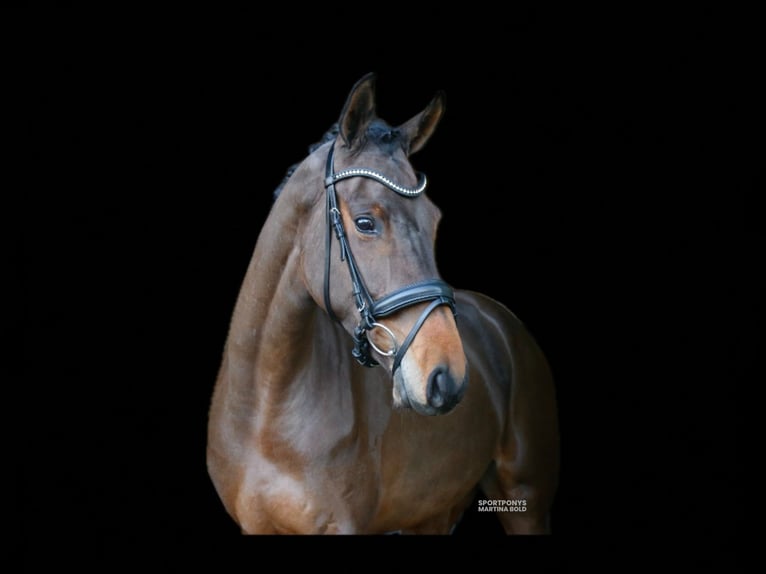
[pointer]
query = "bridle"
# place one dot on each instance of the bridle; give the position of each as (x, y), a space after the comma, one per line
(370, 311)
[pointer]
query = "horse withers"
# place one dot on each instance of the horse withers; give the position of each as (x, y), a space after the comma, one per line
(358, 392)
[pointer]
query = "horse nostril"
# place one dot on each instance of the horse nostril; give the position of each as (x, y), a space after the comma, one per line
(441, 391)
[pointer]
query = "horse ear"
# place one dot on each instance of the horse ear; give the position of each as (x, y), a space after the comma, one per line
(359, 110)
(419, 129)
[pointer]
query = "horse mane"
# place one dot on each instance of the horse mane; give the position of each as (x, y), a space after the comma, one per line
(329, 135)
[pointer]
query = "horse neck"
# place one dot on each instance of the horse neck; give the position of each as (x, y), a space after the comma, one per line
(278, 334)
(273, 308)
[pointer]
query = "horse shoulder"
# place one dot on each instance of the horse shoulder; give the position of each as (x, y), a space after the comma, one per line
(515, 369)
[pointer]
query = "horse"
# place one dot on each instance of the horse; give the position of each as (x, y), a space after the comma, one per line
(358, 392)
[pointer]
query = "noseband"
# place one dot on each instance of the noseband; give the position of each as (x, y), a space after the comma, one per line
(371, 311)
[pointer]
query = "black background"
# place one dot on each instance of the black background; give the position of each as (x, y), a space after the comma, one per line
(576, 168)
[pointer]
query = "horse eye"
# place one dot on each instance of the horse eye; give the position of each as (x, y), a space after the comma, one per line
(365, 224)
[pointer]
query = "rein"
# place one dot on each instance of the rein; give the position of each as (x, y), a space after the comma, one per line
(370, 311)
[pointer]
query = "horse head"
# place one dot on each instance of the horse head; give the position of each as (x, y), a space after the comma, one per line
(368, 252)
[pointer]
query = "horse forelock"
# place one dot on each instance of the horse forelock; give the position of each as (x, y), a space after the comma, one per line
(383, 135)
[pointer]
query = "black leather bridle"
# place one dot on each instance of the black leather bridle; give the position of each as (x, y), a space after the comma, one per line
(434, 290)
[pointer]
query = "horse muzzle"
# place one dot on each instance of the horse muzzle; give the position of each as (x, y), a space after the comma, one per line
(438, 395)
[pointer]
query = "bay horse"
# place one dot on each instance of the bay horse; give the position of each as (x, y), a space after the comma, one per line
(358, 392)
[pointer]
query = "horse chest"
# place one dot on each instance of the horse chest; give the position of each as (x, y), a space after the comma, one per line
(335, 493)
(369, 483)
